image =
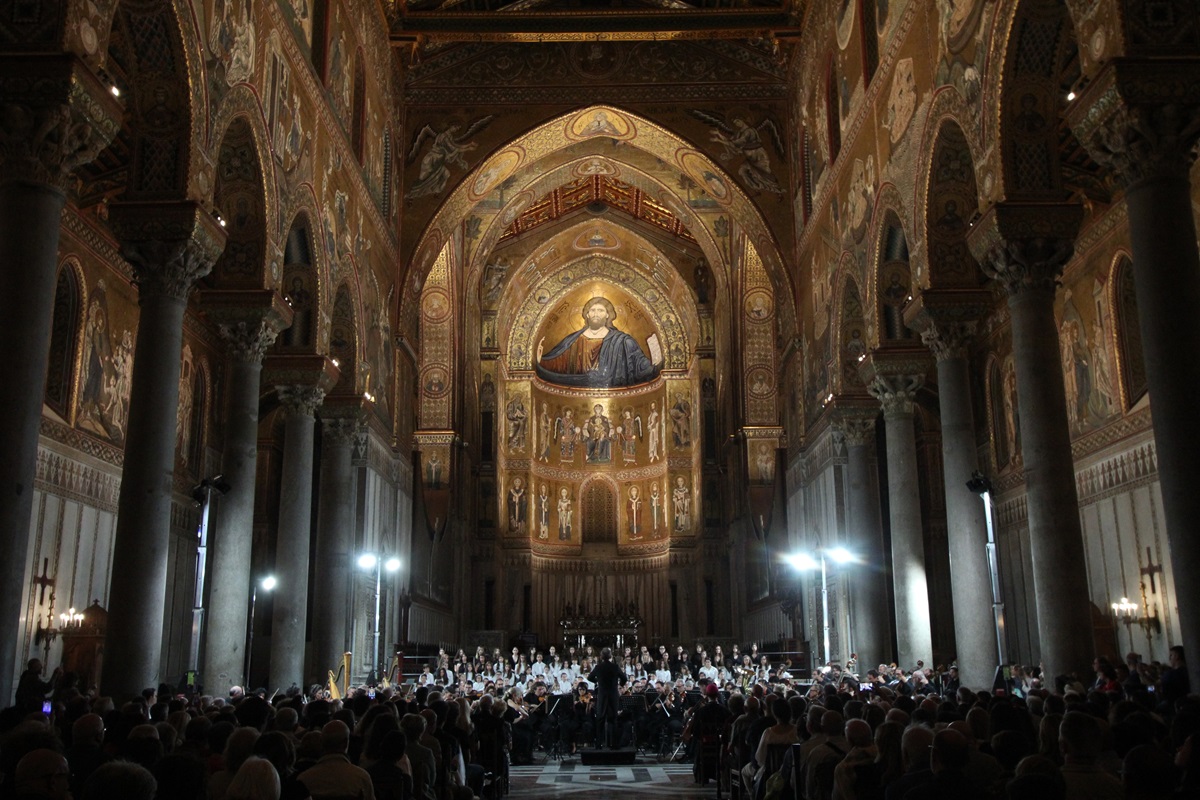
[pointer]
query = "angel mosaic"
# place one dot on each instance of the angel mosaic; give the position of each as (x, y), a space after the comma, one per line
(745, 141)
(446, 151)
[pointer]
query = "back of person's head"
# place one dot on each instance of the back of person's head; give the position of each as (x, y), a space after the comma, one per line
(1080, 737)
(335, 738)
(781, 711)
(393, 747)
(180, 777)
(1037, 765)
(858, 733)
(197, 729)
(309, 748)
(832, 723)
(43, 773)
(277, 747)
(253, 712)
(256, 779)
(915, 746)
(120, 780)
(379, 730)
(239, 747)
(1148, 772)
(88, 731)
(286, 719)
(950, 752)
(737, 704)
(413, 725)
(1009, 747)
(219, 734)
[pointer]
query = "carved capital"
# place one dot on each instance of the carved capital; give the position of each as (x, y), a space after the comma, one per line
(947, 318)
(248, 321)
(340, 431)
(856, 431)
(170, 245)
(1141, 117)
(896, 393)
(1024, 246)
(54, 116)
(949, 339)
(300, 399)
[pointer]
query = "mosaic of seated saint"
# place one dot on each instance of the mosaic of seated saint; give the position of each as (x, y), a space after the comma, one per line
(598, 355)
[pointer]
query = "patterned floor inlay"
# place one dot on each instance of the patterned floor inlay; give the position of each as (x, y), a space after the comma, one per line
(570, 778)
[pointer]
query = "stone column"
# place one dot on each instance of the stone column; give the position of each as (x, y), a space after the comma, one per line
(945, 319)
(170, 245)
(248, 322)
(1141, 119)
(1024, 246)
(894, 380)
(56, 117)
(872, 634)
(308, 379)
(340, 422)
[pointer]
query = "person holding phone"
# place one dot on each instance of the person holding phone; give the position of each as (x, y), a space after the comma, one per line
(31, 689)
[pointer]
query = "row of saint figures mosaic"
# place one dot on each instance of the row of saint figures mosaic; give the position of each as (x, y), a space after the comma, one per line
(598, 433)
(554, 514)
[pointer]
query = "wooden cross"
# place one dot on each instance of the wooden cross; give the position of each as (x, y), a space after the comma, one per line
(1150, 569)
(44, 580)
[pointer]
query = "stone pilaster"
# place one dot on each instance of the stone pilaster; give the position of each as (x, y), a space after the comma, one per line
(1141, 119)
(54, 116)
(342, 421)
(1025, 247)
(301, 383)
(870, 621)
(170, 246)
(248, 323)
(946, 320)
(894, 378)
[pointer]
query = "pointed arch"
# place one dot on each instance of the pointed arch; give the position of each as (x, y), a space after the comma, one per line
(951, 203)
(1127, 333)
(599, 501)
(66, 337)
(890, 220)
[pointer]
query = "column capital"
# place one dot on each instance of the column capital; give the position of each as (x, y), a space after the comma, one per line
(170, 244)
(340, 430)
(302, 381)
(247, 321)
(1140, 117)
(300, 399)
(55, 115)
(947, 318)
(893, 376)
(343, 417)
(1024, 246)
(855, 430)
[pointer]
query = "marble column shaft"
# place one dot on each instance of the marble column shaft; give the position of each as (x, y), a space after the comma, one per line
(871, 637)
(335, 540)
(290, 612)
(1029, 269)
(1141, 119)
(166, 269)
(232, 527)
(914, 636)
(970, 581)
(51, 126)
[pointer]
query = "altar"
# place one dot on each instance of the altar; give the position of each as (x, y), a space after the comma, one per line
(616, 628)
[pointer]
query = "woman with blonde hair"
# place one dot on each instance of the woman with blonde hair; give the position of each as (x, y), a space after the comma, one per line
(256, 779)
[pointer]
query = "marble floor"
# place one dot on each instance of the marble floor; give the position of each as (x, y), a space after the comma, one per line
(645, 779)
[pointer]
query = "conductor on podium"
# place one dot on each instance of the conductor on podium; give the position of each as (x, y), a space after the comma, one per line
(607, 677)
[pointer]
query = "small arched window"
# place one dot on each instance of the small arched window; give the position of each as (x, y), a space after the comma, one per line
(60, 374)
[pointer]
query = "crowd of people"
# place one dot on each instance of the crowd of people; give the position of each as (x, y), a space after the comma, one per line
(450, 732)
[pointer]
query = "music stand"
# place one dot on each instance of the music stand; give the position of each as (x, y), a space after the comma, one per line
(559, 705)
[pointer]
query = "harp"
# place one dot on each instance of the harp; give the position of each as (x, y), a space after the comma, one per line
(386, 681)
(343, 673)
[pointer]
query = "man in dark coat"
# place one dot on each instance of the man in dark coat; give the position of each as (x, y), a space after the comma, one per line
(608, 679)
